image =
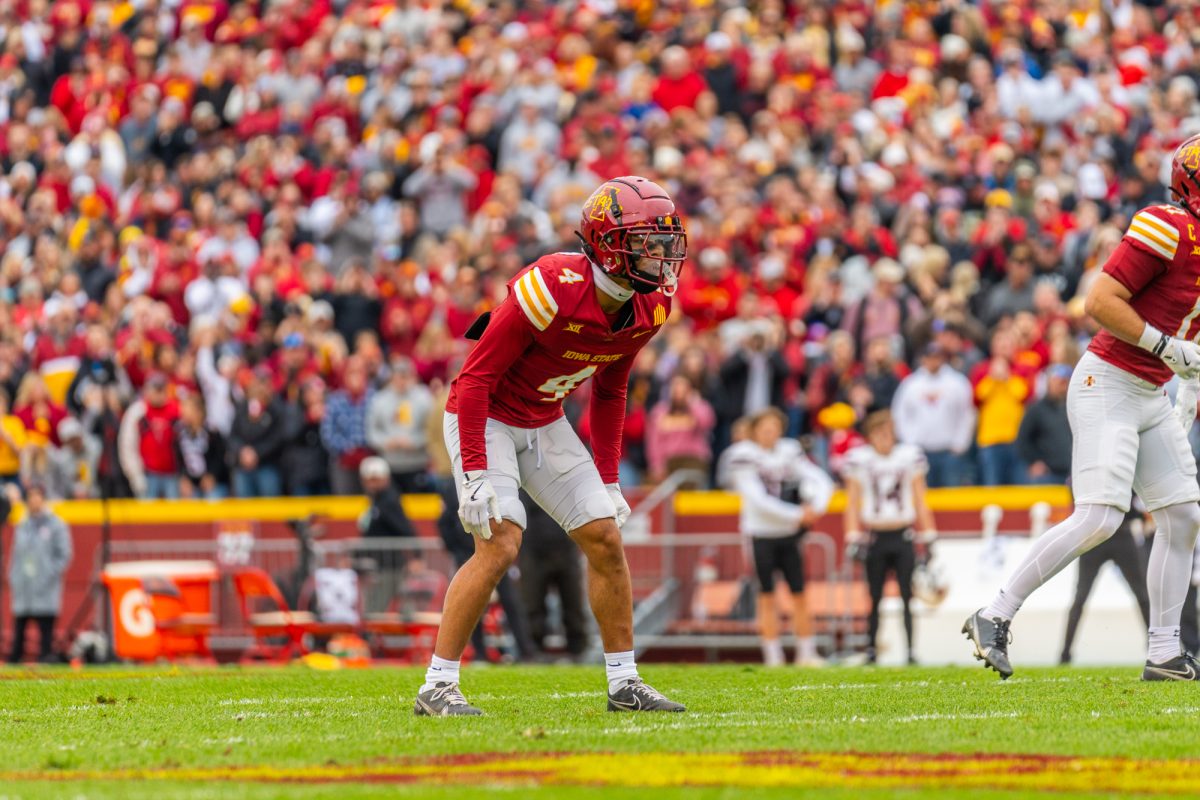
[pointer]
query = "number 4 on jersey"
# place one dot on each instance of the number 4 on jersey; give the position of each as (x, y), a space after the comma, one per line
(563, 385)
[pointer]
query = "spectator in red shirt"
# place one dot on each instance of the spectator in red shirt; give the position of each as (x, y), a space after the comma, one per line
(147, 441)
(36, 409)
(773, 282)
(57, 352)
(1048, 214)
(709, 295)
(893, 80)
(996, 235)
(680, 84)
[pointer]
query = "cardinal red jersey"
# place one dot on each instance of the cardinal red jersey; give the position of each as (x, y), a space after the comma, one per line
(546, 338)
(1158, 261)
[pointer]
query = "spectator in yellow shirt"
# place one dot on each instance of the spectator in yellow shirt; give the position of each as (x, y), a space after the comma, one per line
(1000, 396)
(12, 442)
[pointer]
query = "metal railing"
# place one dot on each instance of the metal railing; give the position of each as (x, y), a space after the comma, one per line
(664, 492)
(411, 575)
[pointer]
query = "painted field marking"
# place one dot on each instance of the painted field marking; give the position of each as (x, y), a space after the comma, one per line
(789, 769)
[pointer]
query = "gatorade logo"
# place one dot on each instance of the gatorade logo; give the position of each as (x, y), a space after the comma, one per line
(136, 617)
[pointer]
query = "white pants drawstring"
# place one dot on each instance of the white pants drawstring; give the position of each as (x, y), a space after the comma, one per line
(534, 440)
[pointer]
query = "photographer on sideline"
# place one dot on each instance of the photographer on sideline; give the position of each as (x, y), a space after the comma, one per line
(385, 518)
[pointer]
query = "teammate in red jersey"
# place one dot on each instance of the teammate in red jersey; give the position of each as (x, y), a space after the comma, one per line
(1147, 300)
(568, 317)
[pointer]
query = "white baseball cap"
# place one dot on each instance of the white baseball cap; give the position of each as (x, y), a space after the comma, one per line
(373, 467)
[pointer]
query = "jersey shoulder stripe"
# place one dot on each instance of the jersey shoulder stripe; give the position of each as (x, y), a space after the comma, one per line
(535, 299)
(1155, 234)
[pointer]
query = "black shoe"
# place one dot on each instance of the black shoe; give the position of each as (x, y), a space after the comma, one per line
(444, 700)
(1180, 668)
(1064, 660)
(635, 695)
(991, 638)
(871, 657)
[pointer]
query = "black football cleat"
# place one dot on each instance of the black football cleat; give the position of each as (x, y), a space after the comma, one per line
(1181, 668)
(991, 638)
(635, 695)
(444, 700)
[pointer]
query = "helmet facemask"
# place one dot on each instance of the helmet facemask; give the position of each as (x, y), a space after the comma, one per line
(652, 256)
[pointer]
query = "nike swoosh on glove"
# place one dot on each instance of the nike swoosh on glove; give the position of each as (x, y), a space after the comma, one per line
(478, 505)
(623, 509)
(1182, 356)
(1185, 404)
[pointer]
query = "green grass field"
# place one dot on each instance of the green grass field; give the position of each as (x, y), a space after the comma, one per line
(266, 733)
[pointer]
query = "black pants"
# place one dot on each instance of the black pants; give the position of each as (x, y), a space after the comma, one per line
(1122, 549)
(778, 554)
(550, 560)
(557, 570)
(461, 547)
(413, 483)
(45, 628)
(890, 551)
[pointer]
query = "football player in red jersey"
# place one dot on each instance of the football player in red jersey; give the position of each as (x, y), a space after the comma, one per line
(567, 317)
(1147, 302)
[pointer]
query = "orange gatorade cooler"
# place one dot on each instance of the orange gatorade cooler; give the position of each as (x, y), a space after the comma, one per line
(161, 609)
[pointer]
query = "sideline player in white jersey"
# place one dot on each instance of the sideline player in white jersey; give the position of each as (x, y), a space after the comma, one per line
(782, 494)
(1147, 300)
(885, 498)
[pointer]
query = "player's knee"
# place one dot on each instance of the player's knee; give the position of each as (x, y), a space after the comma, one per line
(1188, 515)
(1182, 521)
(499, 552)
(600, 541)
(1099, 524)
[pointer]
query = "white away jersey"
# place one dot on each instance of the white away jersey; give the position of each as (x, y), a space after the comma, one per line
(886, 482)
(775, 486)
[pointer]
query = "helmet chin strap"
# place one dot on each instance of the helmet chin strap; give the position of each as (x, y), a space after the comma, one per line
(610, 287)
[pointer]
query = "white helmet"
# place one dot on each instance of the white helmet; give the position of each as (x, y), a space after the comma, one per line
(930, 584)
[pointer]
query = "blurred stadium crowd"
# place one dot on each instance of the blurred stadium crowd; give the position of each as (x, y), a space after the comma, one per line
(242, 241)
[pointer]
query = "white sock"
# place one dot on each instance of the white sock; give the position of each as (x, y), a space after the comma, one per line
(619, 667)
(1164, 645)
(806, 648)
(440, 670)
(772, 652)
(1088, 526)
(1003, 605)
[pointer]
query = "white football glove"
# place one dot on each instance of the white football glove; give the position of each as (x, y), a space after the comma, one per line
(856, 545)
(1185, 404)
(1182, 356)
(479, 505)
(623, 509)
